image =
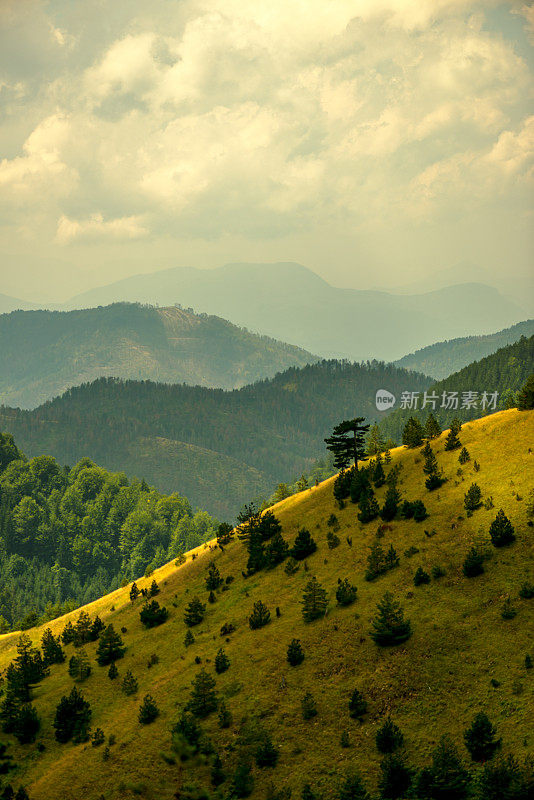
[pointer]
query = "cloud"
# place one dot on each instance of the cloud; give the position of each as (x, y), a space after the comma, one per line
(263, 118)
(96, 227)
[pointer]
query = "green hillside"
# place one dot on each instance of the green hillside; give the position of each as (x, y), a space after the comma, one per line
(470, 637)
(44, 353)
(443, 358)
(71, 535)
(222, 448)
(504, 372)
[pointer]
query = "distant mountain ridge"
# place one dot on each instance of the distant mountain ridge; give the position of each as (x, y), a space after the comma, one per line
(290, 302)
(220, 448)
(43, 353)
(443, 358)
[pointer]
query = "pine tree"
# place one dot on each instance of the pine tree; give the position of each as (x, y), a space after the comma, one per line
(276, 551)
(110, 647)
(112, 671)
(67, 637)
(387, 456)
(464, 456)
(420, 577)
(525, 398)
(82, 629)
(243, 780)
(314, 601)
(152, 614)
(51, 647)
(213, 578)
(412, 435)
(256, 552)
(357, 705)
(303, 546)
(154, 589)
(389, 626)
(369, 508)
(148, 710)
(225, 534)
(346, 592)
(97, 626)
(295, 653)
(218, 774)
(309, 706)
(134, 592)
(72, 718)
(222, 662)
(344, 739)
(419, 511)
(26, 724)
(396, 778)
(375, 441)
(452, 441)
(353, 788)
(79, 666)
(480, 738)
(269, 525)
(473, 497)
(98, 737)
(389, 737)
(473, 563)
(260, 616)
(347, 448)
(501, 530)
(391, 504)
(379, 477)
(430, 468)
(432, 428)
(203, 698)
(194, 612)
(189, 638)
(266, 754)
(129, 683)
(358, 484)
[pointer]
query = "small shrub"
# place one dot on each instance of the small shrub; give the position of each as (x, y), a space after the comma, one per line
(421, 577)
(389, 737)
(438, 572)
(295, 653)
(508, 611)
(309, 707)
(148, 710)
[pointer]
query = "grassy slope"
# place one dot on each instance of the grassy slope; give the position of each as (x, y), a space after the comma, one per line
(433, 684)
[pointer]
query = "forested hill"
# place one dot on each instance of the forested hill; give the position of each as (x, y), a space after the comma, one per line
(219, 448)
(504, 372)
(323, 654)
(443, 358)
(68, 536)
(43, 353)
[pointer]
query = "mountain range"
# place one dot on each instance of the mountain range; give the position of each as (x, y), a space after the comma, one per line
(44, 353)
(443, 358)
(219, 448)
(289, 302)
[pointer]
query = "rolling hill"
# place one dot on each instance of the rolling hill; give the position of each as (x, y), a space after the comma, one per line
(443, 358)
(291, 303)
(504, 372)
(219, 447)
(43, 353)
(463, 657)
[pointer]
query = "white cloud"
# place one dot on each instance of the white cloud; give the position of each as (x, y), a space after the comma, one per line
(268, 116)
(96, 227)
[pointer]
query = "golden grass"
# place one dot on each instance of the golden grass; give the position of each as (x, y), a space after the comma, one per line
(433, 684)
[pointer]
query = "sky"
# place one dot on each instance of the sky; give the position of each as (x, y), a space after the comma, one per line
(377, 142)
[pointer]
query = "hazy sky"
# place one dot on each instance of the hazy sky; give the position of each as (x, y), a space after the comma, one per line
(372, 140)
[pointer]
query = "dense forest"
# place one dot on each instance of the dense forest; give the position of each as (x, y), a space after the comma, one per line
(218, 447)
(69, 536)
(443, 358)
(504, 372)
(45, 352)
